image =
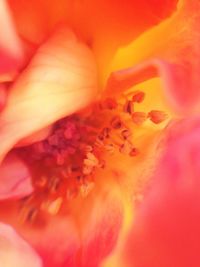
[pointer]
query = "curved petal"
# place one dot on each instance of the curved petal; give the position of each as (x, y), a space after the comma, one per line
(167, 225)
(11, 53)
(15, 178)
(103, 24)
(39, 19)
(60, 80)
(14, 251)
(178, 49)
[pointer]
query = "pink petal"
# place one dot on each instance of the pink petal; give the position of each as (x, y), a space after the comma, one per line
(81, 238)
(60, 80)
(11, 53)
(3, 96)
(101, 228)
(15, 179)
(167, 226)
(59, 245)
(14, 251)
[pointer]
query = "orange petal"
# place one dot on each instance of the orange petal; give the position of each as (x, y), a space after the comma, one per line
(175, 42)
(39, 19)
(60, 80)
(103, 24)
(14, 251)
(108, 25)
(15, 179)
(10, 47)
(167, 225)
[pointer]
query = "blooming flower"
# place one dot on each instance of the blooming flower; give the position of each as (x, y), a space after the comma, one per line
(61, 135)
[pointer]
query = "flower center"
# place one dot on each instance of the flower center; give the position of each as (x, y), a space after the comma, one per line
(64, 165)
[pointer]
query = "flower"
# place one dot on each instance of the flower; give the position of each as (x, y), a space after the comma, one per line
(57, 71)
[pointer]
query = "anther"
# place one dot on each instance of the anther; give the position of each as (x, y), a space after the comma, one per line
(53, 184)
(157, 116)
(105, 132)
(41, 182)
(110, 148)
(139, 117)
(138, 97)
(29, 214)
(86, 188)
(87, 170)
(126, 147)
(91, 160)
(116, 122)
(54, 207)
(98, 142)
(109, 103)
(126, 133)
(134, 152)
(128, 107)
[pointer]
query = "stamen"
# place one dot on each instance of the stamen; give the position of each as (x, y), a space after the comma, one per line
(65, 164)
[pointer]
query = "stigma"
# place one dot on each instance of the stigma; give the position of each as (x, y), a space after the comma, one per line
(65, 165)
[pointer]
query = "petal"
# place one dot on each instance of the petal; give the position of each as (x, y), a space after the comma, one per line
(14, 251)
(60, 80)
(178, 51)
(82, 236)
(10, 47)
(59, 244)
(167, 225)
(3, 95)
(15, 179)
(35, 137)
(103, 24)
(39, 19)
(101, 226)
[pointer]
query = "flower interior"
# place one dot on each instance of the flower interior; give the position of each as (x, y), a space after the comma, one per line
(65, 164)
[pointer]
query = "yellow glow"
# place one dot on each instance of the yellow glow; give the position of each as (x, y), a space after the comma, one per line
(149, 44)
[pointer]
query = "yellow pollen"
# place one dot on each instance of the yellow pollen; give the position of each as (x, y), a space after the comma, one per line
(86, 188)
(54, 206)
